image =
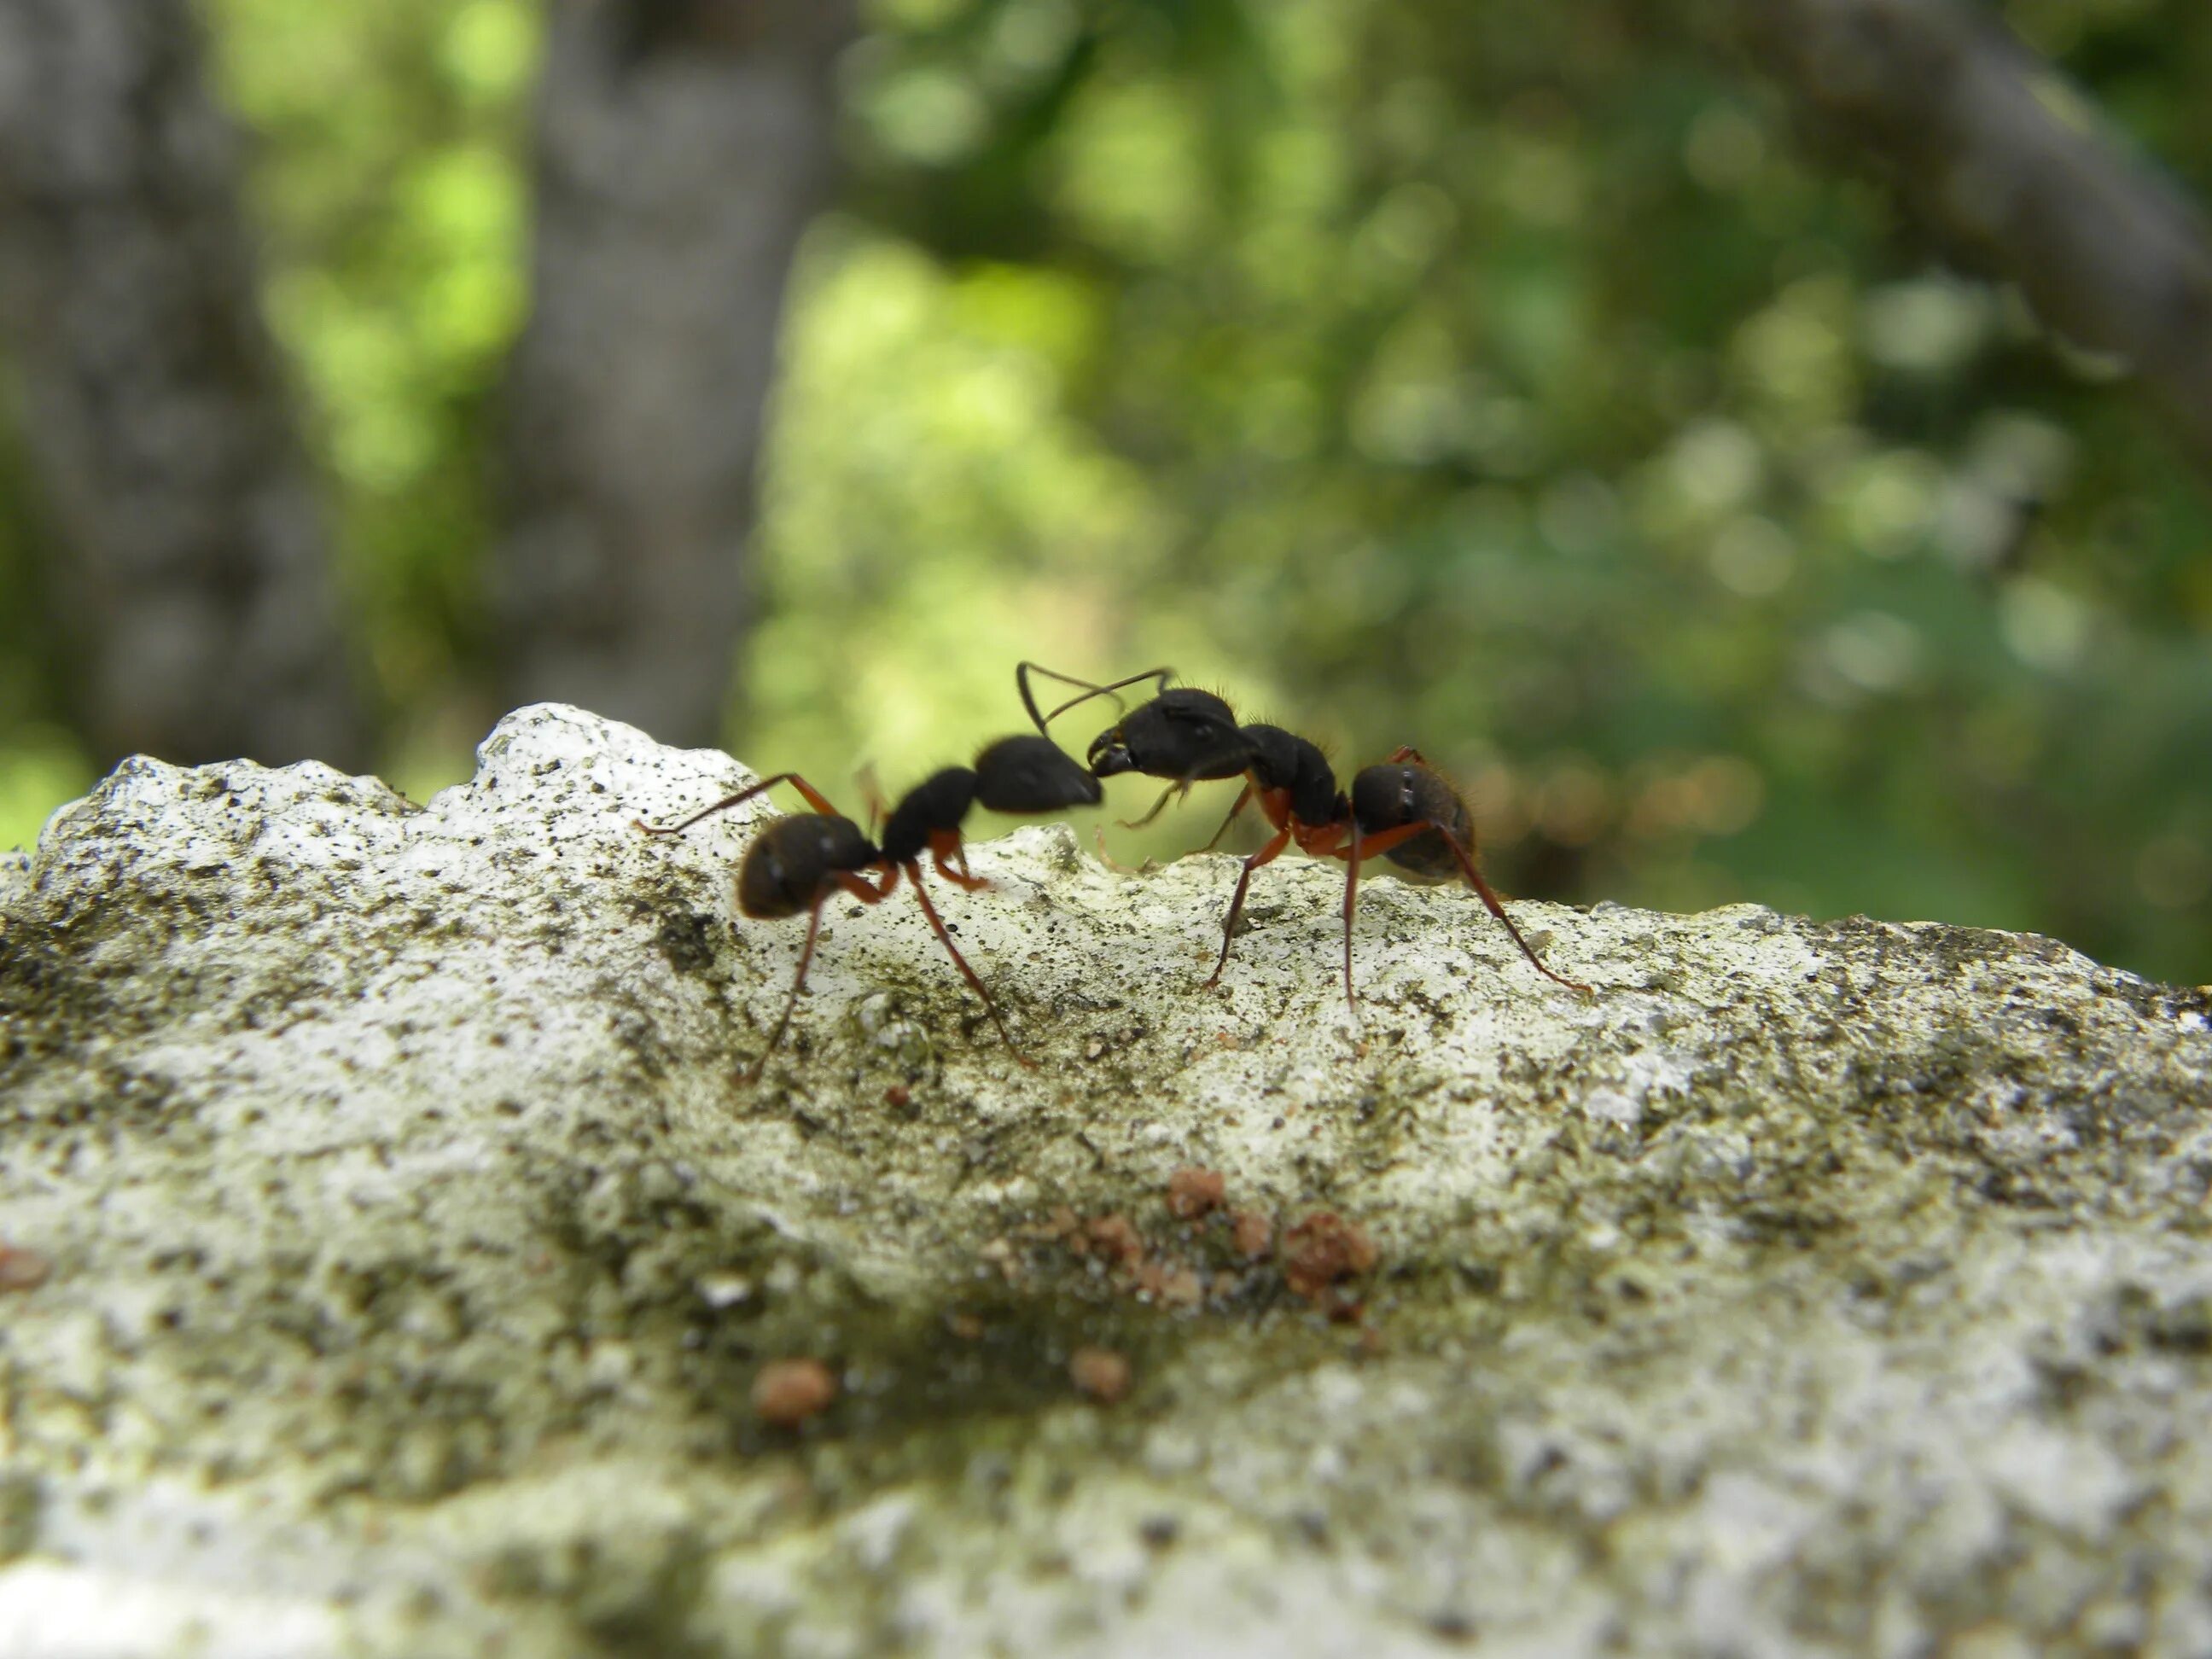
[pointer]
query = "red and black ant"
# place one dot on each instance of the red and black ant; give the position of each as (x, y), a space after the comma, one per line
(798, 863)
(1403, 809)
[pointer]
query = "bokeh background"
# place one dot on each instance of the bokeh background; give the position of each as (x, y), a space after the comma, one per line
(1546, 385)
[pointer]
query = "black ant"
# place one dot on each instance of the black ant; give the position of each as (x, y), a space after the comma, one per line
(1403, 809)
(797, 863)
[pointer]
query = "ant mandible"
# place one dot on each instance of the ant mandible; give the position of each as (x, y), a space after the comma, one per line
(798, 863)
(1402, 809)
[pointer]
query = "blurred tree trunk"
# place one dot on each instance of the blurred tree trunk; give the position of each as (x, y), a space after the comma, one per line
(2011, 167)
(682, 147)
(192, 570)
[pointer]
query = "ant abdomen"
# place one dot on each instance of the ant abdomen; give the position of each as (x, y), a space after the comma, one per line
(1029, 774)
(1388, 796)
(791, 857)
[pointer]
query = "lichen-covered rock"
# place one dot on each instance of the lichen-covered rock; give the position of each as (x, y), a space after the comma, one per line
(408, 1249)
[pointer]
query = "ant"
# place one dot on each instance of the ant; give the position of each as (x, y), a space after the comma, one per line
(798, 863)
(1403, 809)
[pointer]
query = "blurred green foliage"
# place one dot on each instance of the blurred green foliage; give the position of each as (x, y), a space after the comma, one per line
(1514, 380)
(391, 192)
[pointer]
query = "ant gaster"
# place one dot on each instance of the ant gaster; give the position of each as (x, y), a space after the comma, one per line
(1403, 809)
(798, 863)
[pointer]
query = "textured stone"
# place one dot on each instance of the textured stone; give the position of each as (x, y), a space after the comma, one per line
(414, 1246)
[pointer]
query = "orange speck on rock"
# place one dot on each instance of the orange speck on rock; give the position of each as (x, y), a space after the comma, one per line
(789, 1391)
(1175, 1287)
(1099, 1372)
(897, 1097)
(1323, 1248)
(1192, 1192)
(1114, 1239)
(1252, 1233)
(22, 1270)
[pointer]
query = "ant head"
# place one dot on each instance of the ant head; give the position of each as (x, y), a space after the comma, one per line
(1110, 756)
(1182, 733)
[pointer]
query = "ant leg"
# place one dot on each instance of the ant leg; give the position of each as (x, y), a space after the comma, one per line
(814, 799)
(872, 796)
(1243, 800)
(798, 983)
(1370, 846)
(1383, 841)
(859, 887)
(1489, 898)
(945, 938)
(1350, 856)
(1266, 854)
(1158, 806)
(1405, 751)
(946, 843)
(1098, 840)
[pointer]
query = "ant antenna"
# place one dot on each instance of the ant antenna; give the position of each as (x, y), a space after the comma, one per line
(1022, 677)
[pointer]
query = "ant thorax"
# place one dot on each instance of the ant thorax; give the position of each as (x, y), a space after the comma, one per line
(1283, 760)
(939, 802)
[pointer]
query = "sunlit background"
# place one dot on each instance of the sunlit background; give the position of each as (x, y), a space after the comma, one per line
(1512, 379)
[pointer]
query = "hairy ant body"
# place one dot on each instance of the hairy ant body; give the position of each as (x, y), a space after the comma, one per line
(1402, 809)
(798, 863)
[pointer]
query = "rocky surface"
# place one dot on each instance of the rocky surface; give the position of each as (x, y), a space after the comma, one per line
(396, 1258)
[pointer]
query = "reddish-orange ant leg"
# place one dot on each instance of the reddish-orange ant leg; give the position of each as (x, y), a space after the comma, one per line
(815, 798)
(1352, 856)
(872, 795)
(1173, 791)
(1243, 800)
(860, 888)
(946, 844)
(790, 1002)
(1266, 854)
(945, 938)
(1098, 840)
(1372, 846)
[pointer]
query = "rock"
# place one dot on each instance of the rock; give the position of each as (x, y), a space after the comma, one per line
(412, 1247)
